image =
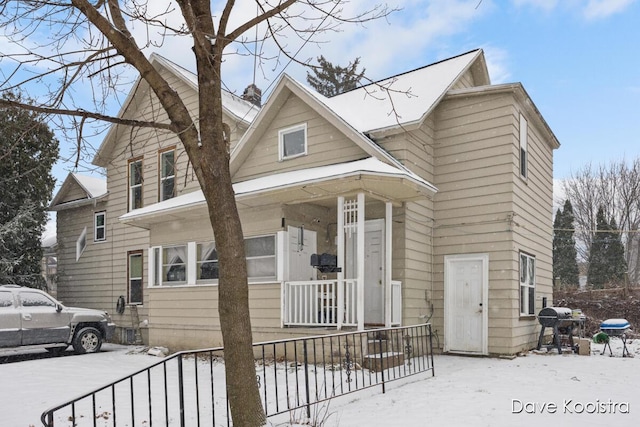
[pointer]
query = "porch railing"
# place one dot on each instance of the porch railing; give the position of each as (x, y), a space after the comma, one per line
(327, 303)
(188, 388)
(320, 303)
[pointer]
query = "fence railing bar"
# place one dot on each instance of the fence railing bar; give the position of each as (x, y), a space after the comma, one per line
(405, 351)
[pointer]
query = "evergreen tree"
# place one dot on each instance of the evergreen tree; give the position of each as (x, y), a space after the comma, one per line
(565, 263)
(331, 80)
(606, 260)
(28, 150)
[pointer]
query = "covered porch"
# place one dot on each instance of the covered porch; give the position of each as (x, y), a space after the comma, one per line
(343, 211)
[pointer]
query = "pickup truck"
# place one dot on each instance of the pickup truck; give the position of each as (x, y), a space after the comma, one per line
(32, 318)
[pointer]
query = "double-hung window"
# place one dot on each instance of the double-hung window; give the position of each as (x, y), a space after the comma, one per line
(100, 227)
(135, 277)
(527, 284)
(207, 268)
(167, 175)
(292, 142)
(135, 184)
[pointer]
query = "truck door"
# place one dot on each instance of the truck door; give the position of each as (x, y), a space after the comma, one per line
(42, 323)
(10, 335)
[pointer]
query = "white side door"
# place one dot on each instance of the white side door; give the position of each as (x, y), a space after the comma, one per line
(466, 287)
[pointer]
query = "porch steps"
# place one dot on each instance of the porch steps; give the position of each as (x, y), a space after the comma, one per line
(381, 355)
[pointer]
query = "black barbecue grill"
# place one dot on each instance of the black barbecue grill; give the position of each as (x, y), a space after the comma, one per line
(562, 321)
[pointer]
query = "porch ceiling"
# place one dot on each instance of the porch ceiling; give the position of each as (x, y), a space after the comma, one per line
(370, 176)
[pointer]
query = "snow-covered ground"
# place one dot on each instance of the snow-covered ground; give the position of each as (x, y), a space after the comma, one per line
(531, 390)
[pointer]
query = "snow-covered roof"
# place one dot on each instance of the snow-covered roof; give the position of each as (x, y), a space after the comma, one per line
(235, 105)
(286, 180)
(93, 187)
(402, 99)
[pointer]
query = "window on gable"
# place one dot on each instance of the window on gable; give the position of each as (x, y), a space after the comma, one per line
(81, 243)
(135, 184)
(293, 142)
(100, 227)
(523, 147)
(135, 277)
(527, 284)
(167, 175)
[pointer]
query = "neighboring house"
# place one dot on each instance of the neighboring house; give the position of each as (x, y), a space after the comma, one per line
(49, 262)
(429, 201)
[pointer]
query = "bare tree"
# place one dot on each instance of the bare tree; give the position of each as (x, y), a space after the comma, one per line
(615, 187)
(105, 44)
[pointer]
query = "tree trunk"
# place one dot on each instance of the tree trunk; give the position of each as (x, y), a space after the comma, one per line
(210, 159)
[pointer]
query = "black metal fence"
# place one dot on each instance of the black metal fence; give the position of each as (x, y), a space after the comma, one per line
(188, 388)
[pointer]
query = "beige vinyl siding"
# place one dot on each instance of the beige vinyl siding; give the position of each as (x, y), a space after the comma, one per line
(465, 81)
(325, 144)
(414, 258)
(74, 193)
(533, 208)
(473, 207)
(413, 149)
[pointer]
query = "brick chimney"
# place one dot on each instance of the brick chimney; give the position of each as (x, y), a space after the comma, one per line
(253, 94)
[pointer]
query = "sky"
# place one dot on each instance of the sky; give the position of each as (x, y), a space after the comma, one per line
(577, 59)
(465, 391)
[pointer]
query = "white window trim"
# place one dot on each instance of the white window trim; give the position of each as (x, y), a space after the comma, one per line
(526, 283)
(96, 227)
(523, 163)
(282, 132)
(129, 279)
(164, 178)
(81, 243)
(133, 186)
(156, 267)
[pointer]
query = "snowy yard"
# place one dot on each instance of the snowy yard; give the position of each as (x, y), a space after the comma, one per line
(532, 390)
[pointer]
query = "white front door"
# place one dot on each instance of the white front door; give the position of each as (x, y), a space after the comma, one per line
(465, 294)
(373, 269)
(374, 272)
(301, 244)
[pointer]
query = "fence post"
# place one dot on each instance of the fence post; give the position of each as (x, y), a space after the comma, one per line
(384, 389)
(181, 390)
(306, 377)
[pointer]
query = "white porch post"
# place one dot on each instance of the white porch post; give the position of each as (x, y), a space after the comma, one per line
(388, 223)
(360, 260)
(340, 260)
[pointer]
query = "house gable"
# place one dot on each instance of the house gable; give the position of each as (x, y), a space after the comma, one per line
(142, 104)
(78, 189)
(325, 143)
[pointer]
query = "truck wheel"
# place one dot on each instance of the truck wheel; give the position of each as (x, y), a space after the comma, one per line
(87, 340)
